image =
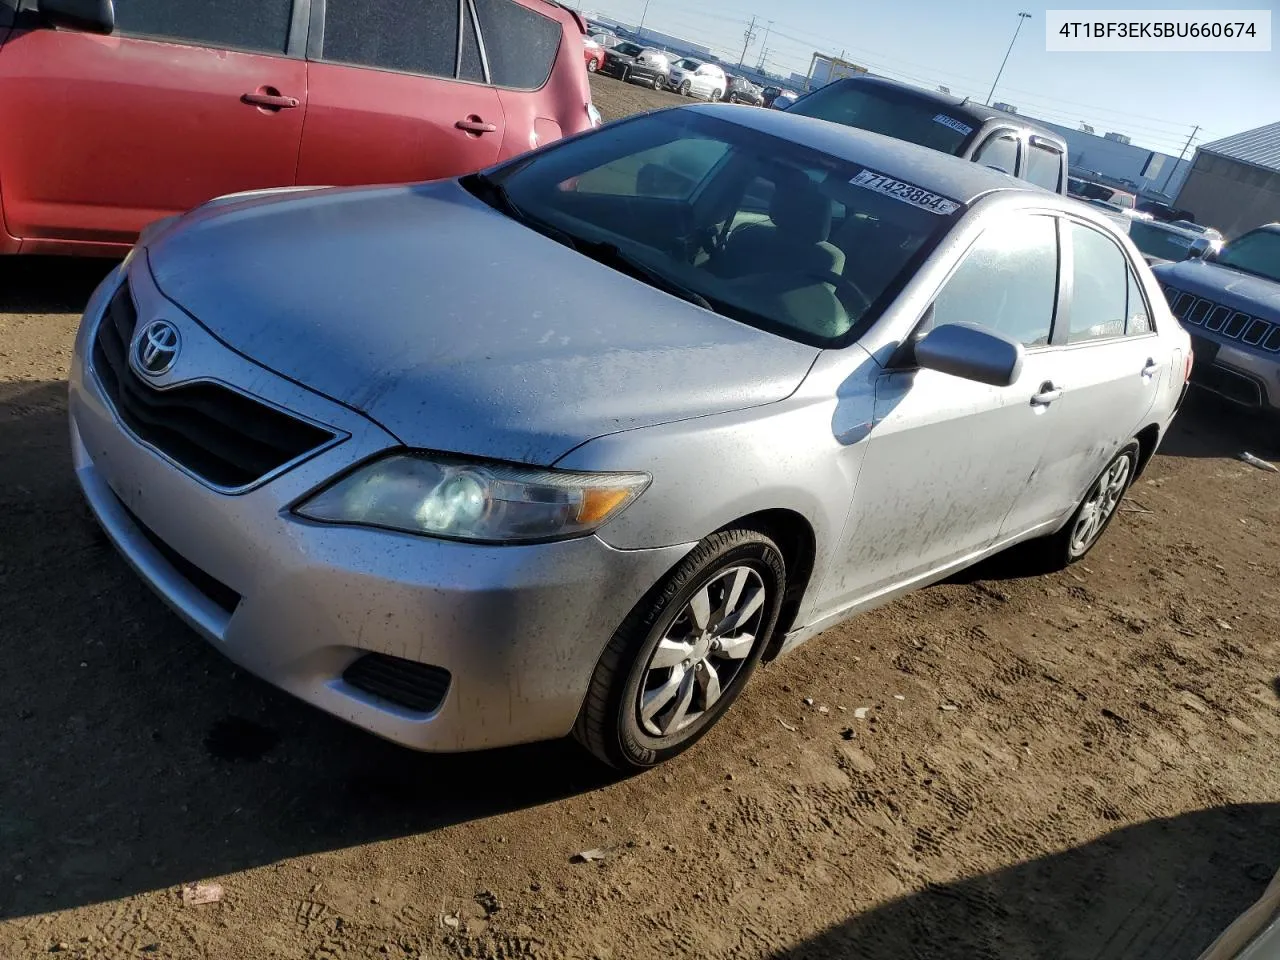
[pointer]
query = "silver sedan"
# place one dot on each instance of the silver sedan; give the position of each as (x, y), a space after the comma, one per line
(571, 445)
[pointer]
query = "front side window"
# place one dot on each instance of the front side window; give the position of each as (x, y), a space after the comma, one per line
(1100, 284)
(629, 49)
(413, 36)
(1007, 282)
(261, 25)
(664, 199)
(999, 152)
(1257, 252)
(1044, 167)
(888, 111)
(521, 45)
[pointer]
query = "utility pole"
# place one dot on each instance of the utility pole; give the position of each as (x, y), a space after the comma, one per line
(640, 29)
(747, 37)
(1185, 147)
(1021, 16)
(764, 56)
(767, 29)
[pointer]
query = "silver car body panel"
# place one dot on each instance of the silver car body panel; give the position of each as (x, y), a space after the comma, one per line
(901, 476)
(518, 357)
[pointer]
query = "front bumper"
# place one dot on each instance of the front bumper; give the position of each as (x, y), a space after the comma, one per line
(1241, 376)
(519, 629)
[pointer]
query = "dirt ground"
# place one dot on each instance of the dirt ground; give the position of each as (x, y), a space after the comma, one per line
(1079, 765)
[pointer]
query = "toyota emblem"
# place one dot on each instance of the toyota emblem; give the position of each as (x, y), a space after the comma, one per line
(156, 348)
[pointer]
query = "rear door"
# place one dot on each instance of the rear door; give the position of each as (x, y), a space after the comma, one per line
(398, 93)
(1112, 367)
(107, 133)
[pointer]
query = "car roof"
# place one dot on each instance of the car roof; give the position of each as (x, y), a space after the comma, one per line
(959, 107)
(923, 167)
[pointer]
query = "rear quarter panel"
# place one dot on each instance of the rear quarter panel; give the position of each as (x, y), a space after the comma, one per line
(8, 244)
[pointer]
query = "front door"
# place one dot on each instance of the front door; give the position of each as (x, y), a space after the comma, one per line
(948, 458)
(392, 101)
(107, 133)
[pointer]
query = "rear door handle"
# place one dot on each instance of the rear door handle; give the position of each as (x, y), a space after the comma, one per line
(1149, 369)
(271, 101)
(475, 125)
(1046, 395)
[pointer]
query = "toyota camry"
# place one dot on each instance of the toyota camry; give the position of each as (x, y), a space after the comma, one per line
(381, 446)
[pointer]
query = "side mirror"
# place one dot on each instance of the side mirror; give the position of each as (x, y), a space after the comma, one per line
(91, 16)
(971, 353)
(1201, 249)
(782, 102)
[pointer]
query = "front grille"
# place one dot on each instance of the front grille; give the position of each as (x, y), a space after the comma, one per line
(223, 596)
(216, 433)
(407, 683)
(1233, 325)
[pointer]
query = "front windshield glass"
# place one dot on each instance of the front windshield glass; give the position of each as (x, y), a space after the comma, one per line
(630, 49)
(757, 228)
(1156, 241)
(1257, 253)
(895, 113)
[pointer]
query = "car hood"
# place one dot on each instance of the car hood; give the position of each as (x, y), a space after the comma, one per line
(455, 327)
(1241, 291)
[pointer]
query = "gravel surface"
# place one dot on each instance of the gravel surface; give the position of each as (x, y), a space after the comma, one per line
(1078, 765)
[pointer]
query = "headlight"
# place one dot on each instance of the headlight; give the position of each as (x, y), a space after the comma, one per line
(481, 501)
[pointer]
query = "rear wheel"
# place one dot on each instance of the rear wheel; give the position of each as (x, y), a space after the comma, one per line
(716, 95)
(1095, 513)
(685, 653)
(657, 81)
(593, 65)
(684, 88)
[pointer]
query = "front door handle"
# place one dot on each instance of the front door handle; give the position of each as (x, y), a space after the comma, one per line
(1149, 369)
(475, 125)
(1046, 395)
(269, 98)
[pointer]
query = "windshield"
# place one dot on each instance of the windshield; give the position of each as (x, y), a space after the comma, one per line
(630, 49)
(1257, 253)
(757, 228)
(895, 113)
(1156, 241)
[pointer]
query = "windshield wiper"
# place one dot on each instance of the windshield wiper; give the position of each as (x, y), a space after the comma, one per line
(612, 255)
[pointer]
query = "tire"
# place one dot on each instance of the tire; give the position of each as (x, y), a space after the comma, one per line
(593, 65)
(716, 95)
(684, 88)
(1071, 543)
(625, 75)
(612, 723)
(657, 82)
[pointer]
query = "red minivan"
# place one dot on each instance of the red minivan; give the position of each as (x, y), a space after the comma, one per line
(114, 113)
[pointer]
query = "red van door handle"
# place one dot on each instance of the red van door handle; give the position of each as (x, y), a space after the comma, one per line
(269, 98)
(475, 125)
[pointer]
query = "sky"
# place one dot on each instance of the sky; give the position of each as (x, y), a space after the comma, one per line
(1157, 99)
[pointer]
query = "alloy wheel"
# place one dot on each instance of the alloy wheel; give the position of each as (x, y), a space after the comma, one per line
(1100, 504)
(702, 653)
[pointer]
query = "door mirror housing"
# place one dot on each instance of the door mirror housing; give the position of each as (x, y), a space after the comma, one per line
(782, 102)
(972, 353)
(1201, 249)
(91, 16)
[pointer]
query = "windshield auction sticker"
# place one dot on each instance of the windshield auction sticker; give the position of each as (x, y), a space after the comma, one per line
(1157, 31)
(953, 123)
(906, 192)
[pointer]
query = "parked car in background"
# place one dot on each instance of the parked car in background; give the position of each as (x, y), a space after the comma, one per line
(742, 90)
(1162, 242)
(985, 135)
(593, 53)
(693, 78)
(1230, 303)
(1163, 211)
(771, 94)
(117, 115)
(864, 376)
(606, 39)
(632, 62)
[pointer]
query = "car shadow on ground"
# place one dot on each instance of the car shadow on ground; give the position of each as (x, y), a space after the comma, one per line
(49, 284)
(1208, 426)
(135, 757)
(1162, 889)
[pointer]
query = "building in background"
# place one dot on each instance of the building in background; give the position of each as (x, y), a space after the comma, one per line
(824, 69)
(1234, 183)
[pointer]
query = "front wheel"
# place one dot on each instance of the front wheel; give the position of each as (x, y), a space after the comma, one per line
(684, 88)
(684, 654)
(657, 81)
(593, 66)
(1095, 513)
(716, 95)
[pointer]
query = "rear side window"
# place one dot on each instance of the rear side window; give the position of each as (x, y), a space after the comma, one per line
(1044, 167)
(521, 45)
(1138, 317)
(1100, 286)
(413, 36)
(261, 25)
(999, 152)
(1008, 281)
